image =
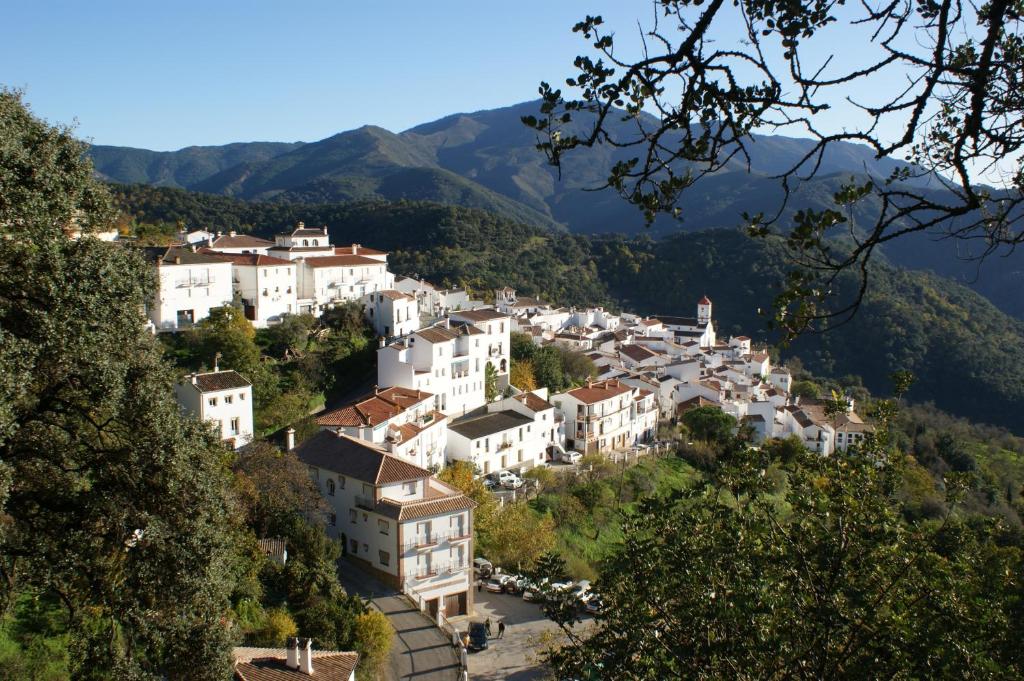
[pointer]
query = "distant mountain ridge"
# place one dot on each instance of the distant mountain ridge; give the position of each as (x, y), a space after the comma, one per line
(488, 160)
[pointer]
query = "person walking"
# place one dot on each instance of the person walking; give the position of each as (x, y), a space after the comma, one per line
(501, 628)
(487, 627)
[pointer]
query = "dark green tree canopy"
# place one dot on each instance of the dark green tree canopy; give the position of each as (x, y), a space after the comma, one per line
(114, 503)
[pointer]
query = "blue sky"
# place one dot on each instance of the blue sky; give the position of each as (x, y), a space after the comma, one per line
(167, 75)
(163, 76)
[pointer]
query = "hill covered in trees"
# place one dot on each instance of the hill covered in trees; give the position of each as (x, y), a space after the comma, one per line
(968, 356)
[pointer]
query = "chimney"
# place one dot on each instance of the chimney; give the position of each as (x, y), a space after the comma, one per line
(219, 234)
(306, 656)
(293, 653)
(355, 248)
(380, 342)
(232, 233)
(300, 225)
(325, 230)
(195, 379)
(289, 439)
(376, 390)
(177, 260)
(216, 362)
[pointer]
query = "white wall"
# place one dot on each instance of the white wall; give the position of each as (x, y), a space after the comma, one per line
(189, 287)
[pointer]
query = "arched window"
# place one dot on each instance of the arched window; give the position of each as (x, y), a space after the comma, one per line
(305, 242)
(330, 488)
(504, 365)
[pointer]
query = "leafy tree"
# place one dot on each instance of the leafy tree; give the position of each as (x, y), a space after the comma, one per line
(547, 368)
(839, 587)
(940, 81)
(490, 382)
(277, 626)
(374, 636)
(576, 367)
(462, 476)
(709, 424)
(521, 347)
(807, 389)
(784, 450)
(518, 536)
(111, 500)
(274, 488)
(521, 375)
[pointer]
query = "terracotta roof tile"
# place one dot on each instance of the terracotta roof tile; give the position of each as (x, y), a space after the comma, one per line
(219, 380)
(268, 664)
(602, 390)
(356, 459)
(341, 261)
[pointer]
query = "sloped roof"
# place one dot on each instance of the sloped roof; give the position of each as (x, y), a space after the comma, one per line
(219, 380)
(341, 261)
(473, 427)
(481, 315)
(534, 402)
(602, 390)
(356, 459)
(246, 259)
(410, 510)
(268, 664)
(178, 256)
(360, 250)
(374, 409)
(240, 241)
(637, 353)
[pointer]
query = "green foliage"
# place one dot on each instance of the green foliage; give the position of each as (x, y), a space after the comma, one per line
(840, 582)
(115, 502)
(490, 382)
(709, 424)
(374, 636)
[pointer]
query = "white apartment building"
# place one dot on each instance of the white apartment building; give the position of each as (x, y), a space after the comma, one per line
(446, 360)
(224, 398)
(497, 328)
(328, 280)
(607, 415)
(391, 313)
(513, 434)
(188, 285)
(302, 242)
(268, 286)
(396, 520)
(399, 420)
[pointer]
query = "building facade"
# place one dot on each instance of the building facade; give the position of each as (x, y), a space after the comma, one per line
(223, 398)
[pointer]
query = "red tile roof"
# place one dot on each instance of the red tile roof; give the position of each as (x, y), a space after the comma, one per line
(246, 259)
(602, 390)
(374, 409)
(341, 261)
(356, 459)
(268, 664)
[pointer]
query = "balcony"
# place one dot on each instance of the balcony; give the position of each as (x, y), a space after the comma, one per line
(458, 534)
(504, 445)
(425, 572)
(365, 503)
(424, 540)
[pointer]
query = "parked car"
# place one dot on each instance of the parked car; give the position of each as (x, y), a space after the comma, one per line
(515, 584)
(594, 605)
(496, 584)
(533, 593)
(581, 592)
(490, 483)
(572, 456)
(483, 567)
(509, 480)
(477, 636)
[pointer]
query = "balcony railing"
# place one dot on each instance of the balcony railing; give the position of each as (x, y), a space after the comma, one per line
(436, 569)
(425, 572)
(365, 503)
(424, 540)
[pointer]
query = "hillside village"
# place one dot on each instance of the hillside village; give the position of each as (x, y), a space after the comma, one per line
(374, 459)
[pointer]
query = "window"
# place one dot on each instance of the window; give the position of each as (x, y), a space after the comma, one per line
(410, 488)
(367, 490)
(383, 527)
(341, 481)
(241, 396)
(330, 489)
(385, 558)
(334, 520)
(366, 548)
(212, 401)
(234, 426)
(228, 399)
(351, 515)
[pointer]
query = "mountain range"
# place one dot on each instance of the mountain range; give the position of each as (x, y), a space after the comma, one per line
(488, 160)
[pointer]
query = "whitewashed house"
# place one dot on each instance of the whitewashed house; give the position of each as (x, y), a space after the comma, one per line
(267, 286)
(447, 360)
(189, 284)
(395, 519)
(514, 433)
(402, 421)
(496, 328)
(223, 398)
(391, 313)
(599, 417)
(233, 242)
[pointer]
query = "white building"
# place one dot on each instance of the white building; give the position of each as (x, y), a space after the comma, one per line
(447, 361)
(223, 398)
(399, 420)
(267, 286)
(396, 520)
(328, 280)
(513, 434)
(497, 328)
(189, 284)
(302, 242)
(607, 415)
(391, 313)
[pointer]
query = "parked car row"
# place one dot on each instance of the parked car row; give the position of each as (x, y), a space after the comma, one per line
(506, 479)
(494, 580)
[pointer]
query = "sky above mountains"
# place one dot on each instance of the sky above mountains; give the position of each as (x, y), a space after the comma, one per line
(164, 76)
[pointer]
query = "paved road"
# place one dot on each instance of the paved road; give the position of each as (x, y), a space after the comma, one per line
(420, 651)
(517, 655)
